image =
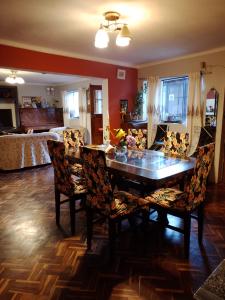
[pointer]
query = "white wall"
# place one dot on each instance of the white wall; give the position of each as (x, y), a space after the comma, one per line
(84, 120)
(35, 90)
(216, 63)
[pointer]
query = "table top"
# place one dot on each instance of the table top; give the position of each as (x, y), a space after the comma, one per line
(149, 165)
(146, 166)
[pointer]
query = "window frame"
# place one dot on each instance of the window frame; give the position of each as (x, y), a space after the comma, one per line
(183, 120)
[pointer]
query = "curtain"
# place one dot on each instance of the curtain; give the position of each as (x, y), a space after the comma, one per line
(153, 107)
(65, 109)
(196, 93)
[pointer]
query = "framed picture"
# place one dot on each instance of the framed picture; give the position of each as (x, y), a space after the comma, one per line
(121, 74)
(123, 106)
(27, 101)
(37, 101)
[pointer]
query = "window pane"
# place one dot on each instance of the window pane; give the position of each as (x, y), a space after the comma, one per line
(98, 102)
(72, 100)
(174, 100)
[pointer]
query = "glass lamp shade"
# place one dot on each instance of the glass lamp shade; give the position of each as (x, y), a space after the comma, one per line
(124, 37)
(13, 80)
(10, 80)
(20, 80)
(101, 38)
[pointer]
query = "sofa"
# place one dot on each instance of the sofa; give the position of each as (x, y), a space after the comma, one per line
(25, 150)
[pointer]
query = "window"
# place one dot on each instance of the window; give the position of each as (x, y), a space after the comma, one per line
(72, 102)
(98, 102)
(174, 100)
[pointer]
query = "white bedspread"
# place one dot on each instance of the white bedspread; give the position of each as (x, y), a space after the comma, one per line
(25, 150)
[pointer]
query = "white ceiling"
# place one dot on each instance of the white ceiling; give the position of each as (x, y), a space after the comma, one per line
(161, 29)
(42, 78)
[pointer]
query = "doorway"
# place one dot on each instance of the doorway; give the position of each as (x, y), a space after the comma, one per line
(96, 101)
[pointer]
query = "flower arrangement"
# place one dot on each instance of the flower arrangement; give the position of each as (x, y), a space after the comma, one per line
(124, 140)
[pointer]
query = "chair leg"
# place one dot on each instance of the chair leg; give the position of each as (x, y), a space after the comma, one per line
(187, 231)
(89, 216)
(200, 222)
(57, 207)
(72, 216)
(112, 237)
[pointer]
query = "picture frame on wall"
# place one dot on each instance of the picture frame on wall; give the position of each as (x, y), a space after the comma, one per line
(123, 106)
(27, 101)
(121, 74)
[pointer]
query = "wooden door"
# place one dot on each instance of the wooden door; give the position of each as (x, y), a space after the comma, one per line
(96, 114)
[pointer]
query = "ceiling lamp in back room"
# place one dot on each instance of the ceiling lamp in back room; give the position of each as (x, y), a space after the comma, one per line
(13, 79)
(111, 25)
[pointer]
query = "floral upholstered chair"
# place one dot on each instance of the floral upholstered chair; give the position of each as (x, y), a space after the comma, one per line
(140, 136)
(183, 203)
(176, 144)
(73, 139)
(65, 182)
(113, 206)
(159, 137)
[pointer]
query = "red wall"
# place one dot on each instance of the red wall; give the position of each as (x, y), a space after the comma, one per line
(11, 57)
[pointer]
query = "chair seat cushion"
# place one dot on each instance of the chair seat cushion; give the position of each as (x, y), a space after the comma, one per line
(125, 203)
(169, 198)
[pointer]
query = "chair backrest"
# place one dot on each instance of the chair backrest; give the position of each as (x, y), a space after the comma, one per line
(99, 189)
(62, 174)
(196, 187)
(159, 137)
(140, 136)
(73, 139)
(176, 144)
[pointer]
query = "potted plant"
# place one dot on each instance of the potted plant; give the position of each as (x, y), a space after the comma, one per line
(139, 105)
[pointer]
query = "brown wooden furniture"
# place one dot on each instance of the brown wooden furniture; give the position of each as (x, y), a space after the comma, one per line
(152, 168)
(41, 119)
(136, 124)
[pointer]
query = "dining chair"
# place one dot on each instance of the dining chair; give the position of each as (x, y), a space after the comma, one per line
(113, 206)
(184, 203)
(159, 137)
(73, 139)
(207, 136)
(65, 182)
(176, 144)
(140, 136)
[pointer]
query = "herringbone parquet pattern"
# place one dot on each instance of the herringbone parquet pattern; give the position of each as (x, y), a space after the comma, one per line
(40, 261)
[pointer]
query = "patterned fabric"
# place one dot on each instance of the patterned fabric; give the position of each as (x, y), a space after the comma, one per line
(176, 144)
(73, 138)
(99, 190)
(140, 136)
(194, 191)
(25, 150)
(65, 182)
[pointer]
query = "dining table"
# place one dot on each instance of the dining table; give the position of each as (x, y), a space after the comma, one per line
(150, 168)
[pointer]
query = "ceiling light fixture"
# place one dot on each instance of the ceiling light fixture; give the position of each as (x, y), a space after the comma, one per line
(13, 79)
(111, 25)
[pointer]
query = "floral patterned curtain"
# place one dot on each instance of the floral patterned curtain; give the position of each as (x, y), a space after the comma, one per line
(195, 110)
(153, 107)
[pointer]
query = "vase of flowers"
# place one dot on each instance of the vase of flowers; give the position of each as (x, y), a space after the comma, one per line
(124, 142)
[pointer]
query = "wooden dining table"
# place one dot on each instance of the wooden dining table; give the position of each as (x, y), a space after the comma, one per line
(149, 167)
(152, 168)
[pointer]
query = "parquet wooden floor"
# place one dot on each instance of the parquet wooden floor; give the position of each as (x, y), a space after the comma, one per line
(40, 261)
